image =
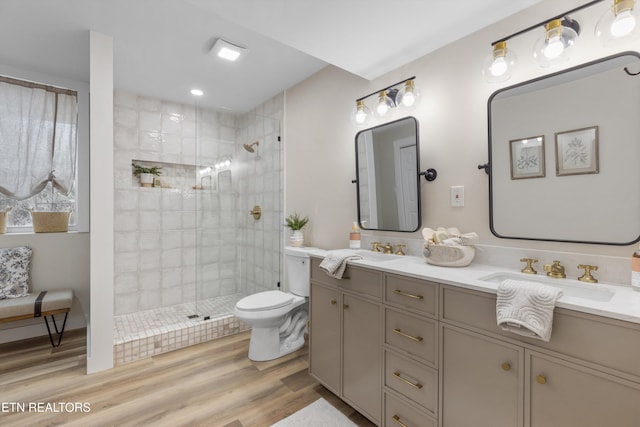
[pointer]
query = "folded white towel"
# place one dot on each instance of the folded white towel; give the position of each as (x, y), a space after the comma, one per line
(526, 308)
(335, 262)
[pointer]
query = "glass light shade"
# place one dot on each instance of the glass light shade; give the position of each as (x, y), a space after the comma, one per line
(620, 22)
(554, 47)
(385, 105)
(498, 64)
(361, 114)
(409, 96)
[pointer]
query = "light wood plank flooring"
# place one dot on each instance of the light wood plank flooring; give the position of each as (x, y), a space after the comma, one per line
(209, 384)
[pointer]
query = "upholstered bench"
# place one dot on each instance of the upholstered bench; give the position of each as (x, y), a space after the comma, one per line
(42, 304)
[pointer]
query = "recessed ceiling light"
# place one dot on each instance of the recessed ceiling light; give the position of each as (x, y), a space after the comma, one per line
(228, 51)
(197, 92)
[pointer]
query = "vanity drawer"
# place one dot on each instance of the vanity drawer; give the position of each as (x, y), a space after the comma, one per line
(412, 380)
(398, 413)
(607, 342)
(356, 279)
(414, 294)
(412, 334)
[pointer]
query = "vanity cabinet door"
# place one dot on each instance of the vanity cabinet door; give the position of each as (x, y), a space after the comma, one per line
(482, 381)
(362, 358)
(563, 394)
(324, 336)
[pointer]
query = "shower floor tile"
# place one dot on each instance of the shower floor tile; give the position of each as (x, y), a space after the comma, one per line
(149, 323)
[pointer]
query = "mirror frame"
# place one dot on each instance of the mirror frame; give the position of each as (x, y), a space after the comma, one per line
(357, 180)
(489, 169)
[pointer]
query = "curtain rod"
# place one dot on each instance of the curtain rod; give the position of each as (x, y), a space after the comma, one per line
(33, 85)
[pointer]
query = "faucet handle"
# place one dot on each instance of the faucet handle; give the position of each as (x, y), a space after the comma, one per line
(555, 270)
(528, 269)
(587, 277)
(400, 250)
(375, 246)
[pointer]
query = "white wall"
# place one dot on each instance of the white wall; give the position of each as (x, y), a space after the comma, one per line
(452, 115)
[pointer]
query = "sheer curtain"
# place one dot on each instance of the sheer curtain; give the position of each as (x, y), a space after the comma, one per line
(38, 138)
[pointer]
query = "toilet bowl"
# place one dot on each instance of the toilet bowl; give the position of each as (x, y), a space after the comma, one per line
(279, 319)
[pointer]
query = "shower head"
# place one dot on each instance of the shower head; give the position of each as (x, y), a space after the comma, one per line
(249, 147)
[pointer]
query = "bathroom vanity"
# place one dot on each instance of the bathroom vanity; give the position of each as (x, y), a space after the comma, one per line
(406, 343)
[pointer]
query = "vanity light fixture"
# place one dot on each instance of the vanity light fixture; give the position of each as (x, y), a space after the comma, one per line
(499, 63)
(619, 21)
(388, 99)
(226, 50)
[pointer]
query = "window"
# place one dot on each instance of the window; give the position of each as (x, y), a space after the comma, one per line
(38, 146)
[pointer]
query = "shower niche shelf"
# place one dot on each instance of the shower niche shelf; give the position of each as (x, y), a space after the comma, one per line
(178, 176)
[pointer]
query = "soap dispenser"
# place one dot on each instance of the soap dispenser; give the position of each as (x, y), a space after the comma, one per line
(354, 237)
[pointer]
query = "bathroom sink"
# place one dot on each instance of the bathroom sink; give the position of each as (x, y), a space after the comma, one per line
(570, 288)
(376, 256)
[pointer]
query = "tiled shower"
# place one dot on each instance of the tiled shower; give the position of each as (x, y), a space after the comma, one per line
(187, 249)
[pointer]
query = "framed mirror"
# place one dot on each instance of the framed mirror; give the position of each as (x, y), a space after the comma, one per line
(387, 180)
(564, 154)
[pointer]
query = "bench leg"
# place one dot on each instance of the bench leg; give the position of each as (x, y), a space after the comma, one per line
(59, 333)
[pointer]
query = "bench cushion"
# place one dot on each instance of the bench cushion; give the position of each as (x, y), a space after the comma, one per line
(53, 300)
(15, 265)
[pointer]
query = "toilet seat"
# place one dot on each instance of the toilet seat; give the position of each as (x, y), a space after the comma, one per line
(262, 301)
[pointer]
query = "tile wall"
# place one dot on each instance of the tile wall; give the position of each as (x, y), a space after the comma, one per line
(175, 245)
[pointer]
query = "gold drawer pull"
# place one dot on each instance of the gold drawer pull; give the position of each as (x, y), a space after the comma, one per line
(345, 306)
(397, 420)
(541, 379)
(411, 337)
(333, 302)
(404, 294)
(506, 366)
(406, 381)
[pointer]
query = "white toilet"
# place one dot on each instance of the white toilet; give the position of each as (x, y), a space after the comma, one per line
(279, 319)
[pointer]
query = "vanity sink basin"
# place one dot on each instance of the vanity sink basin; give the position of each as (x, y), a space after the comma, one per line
(376, 256)
(570, 288)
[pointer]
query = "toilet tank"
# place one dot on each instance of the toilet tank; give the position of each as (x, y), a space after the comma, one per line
(298, 269)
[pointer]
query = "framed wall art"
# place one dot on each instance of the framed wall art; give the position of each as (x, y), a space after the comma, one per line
(577, 151)
(527, 157)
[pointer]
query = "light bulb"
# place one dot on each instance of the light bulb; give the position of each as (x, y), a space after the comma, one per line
(360, 114)
(499, 63)
(499, 66)
(408, 96)
(227, 162)
(382, 108)
(385, 104)
(554, 48)
(623, 24)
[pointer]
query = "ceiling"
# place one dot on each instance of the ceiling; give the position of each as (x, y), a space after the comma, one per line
(161, 47)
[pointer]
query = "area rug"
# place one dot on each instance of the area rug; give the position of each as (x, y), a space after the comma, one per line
(318, 414)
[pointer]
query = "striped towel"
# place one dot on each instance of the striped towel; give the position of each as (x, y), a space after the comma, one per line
(526, 308)
(335, 262)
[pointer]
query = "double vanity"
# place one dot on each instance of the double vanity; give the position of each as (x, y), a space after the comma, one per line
(411, 344)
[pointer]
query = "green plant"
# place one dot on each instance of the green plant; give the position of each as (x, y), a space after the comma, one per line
(137, 170)
(295, 222)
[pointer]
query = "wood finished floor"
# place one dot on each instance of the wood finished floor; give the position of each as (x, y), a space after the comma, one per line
(209, 384)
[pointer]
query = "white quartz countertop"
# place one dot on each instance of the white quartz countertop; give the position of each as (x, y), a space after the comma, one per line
(623, 305)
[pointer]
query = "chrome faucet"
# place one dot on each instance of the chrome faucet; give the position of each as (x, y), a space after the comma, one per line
(555, 270)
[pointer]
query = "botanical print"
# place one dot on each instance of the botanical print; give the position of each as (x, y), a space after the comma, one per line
(15, 265)
(527, 157)
(577, 151)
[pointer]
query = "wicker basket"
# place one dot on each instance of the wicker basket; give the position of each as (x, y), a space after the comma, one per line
(3, 221)
(449, 255)
(50, 222)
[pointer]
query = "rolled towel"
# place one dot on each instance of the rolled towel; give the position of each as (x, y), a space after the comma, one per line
(526, 308)
(335, 262)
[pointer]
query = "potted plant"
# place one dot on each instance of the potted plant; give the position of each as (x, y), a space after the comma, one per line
(295, 222)
(146, 174)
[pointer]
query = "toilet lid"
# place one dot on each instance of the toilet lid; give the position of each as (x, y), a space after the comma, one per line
(264, 301)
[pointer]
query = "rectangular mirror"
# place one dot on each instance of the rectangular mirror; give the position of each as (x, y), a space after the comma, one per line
(387, 165)
(564, 151)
